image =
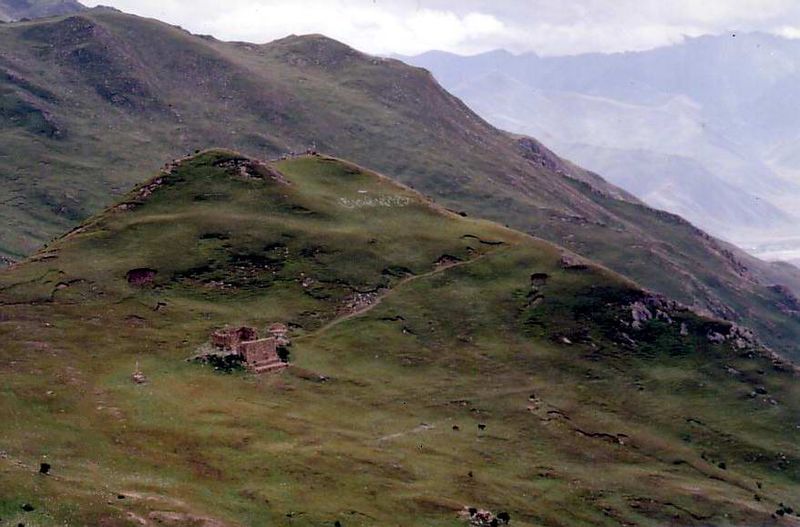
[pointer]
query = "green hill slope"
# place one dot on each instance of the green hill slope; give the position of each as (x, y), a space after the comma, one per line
(439, 362)
(90, 101)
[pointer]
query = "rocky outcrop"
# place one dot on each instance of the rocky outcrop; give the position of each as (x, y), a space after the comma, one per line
(251, 169)
(657, 307)
(654, 307)
(740, 338)
(573, 262)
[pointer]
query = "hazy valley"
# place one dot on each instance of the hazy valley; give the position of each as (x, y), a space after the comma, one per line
(703, 129)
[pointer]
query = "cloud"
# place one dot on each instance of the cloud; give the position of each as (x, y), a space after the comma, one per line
(471, 26)
(371, 26)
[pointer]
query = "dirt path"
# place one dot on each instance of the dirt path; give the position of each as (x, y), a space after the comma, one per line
(424, 427)
(440, 269)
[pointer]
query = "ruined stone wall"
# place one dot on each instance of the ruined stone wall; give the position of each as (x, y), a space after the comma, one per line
(229, 339)
(259, 350)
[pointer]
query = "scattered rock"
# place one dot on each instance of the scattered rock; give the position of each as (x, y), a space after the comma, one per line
(447, 260)
(359, 301)
(640, 314)
(137, 376)
(483, 518)
(732, 371)
(573, 262)
(715, 337)
(251, 169)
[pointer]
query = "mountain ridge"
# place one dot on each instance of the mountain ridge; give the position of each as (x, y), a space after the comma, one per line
(112, 104)
(732, 126)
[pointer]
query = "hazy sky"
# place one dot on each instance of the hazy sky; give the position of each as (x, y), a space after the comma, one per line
(471, 26)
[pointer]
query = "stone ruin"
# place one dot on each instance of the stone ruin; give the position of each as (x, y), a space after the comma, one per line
(280, 333)
(228, 339)
(259, 355)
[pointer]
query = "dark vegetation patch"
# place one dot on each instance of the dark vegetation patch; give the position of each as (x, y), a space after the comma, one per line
(27, 115)
(239, 272)
(600, 313)
(141, 277)
(312, 251)
(539, 279)
(221, 236)
(210, 196)
(60, 204)
(222, 362)
(397, 271)
(483, 242)
(294, 208)
(26, 86)
(254, 260)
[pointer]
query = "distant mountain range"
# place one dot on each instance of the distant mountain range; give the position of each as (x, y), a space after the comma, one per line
(11, 10)
(707, 129)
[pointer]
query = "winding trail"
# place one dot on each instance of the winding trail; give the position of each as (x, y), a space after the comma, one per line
(388, 292)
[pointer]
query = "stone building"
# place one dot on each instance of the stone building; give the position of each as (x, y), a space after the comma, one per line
(280, 333)
(228, 339)
(259, 355)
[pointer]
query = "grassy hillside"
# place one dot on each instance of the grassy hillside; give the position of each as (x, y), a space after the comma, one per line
(90, 101)
(480, 367)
